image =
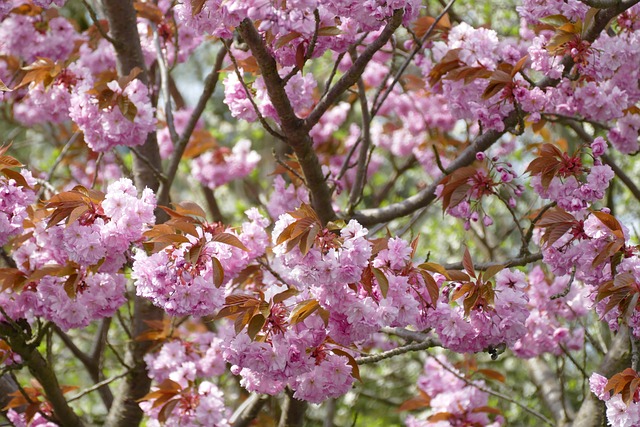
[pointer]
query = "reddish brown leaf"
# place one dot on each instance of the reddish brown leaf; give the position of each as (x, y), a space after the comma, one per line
(440, 416)
(148, 11)
(383, 282)
(286, 39)
(467, 263)
(355, 370)
(229, 239)
(432, 286)
(492, 271)
(255, 325)
(284, 295)
(301, 56)
(218, 272)
(303, 310)
(190, 208)
(490, 373)
(419, 402)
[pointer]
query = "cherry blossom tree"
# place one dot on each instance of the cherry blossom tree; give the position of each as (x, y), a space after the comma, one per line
(362, 206)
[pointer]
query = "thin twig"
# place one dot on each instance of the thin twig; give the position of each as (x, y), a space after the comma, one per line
(346, 164)
(117, 355)
(377, 104)
(96, 386)
(494, 393)
(59, 159)
(513, 262)
(567, 288)
(209, 87)
(334, 70)
(514, 216)
(361, 171)
(574, 361)
(97, 169)
(96, 22)
(375, 358)
(287, 167)
(247, 91)
(157, 173)
(274, 273)
(164, 84)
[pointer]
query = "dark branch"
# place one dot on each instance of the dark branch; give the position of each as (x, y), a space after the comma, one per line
(42, 371)
(248, 410)
(353, 74)
(292, 411)
(125, 410)
(209, 87)
(294, 129)
(428, 195)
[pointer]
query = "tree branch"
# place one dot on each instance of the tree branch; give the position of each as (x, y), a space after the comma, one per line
(353, 74)
(424, 198)
(592, 410)
(423, 345)
(248, 410)
(626, 180)
(361, 172)
(601, 4)
(125, 411)
(42, 371)
(292, 411)
(209, 87)
(513, 262)
(295, 131)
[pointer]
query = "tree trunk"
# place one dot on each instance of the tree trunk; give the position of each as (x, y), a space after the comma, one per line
(125, 411)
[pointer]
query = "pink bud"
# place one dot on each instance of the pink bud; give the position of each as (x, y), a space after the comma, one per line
(598, 146)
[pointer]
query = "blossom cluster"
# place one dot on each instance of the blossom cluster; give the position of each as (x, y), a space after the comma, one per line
(29, 38)
(309, 355)
(86, 257)
(186, 362)
(486, 325)
(299, 89)
(619, 414)
(284, 19)
(107, 127)
(299, 358)
(548, 327)
(181, 278)
(221, 165)
(449, 394)
(14, 200)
